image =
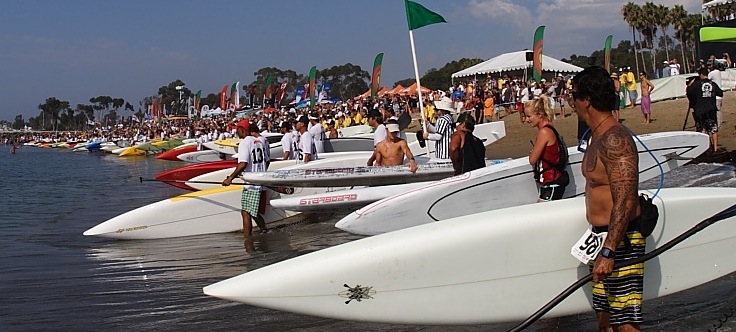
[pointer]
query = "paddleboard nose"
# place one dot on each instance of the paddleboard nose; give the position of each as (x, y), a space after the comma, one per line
(353, 224)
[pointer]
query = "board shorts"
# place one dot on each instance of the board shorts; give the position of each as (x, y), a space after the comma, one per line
(253, 200)
(617, 104)
(633, 94)
(555, 189)
(646, 105)
(621, 293)
(707, 122)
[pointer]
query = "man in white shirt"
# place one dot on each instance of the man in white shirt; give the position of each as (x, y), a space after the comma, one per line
(715, 76)
(674, 67)
(375, 120)
(289, 142)
(253, 156)
(318, 133)
(307, 151)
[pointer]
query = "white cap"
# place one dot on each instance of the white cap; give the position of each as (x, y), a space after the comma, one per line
(392, 127)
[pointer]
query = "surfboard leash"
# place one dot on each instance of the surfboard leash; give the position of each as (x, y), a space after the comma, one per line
(725, 214)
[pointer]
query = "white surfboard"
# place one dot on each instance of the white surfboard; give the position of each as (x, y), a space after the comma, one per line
(507, 184)
(209, 211)
(341, 200)
(496, 266)
(335, 159)
(354, 131)
(353, 175)
(202, 156)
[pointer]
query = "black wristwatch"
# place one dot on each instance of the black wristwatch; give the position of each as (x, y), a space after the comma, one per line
(607, 253)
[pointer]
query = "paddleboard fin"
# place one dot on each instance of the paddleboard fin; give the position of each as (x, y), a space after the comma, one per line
(675, 156)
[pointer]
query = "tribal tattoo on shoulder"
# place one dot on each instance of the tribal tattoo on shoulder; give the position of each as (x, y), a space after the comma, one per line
(620, 158)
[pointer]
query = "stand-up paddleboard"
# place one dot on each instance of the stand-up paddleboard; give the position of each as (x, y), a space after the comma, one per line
(174, 153)
(187, 172)
(227, 150)
(131, 151)
(334, 159)
(203, 156)
(496, 266)
(342, 200)
(202, 212)
(353, 176)
(354, 131)
(507, 184)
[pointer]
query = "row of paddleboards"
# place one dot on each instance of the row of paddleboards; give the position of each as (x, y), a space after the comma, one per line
(422, 265)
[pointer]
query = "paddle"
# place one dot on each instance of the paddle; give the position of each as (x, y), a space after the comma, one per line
(727, 213)
(282, 190)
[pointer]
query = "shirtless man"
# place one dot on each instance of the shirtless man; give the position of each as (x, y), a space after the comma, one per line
(617, 104)
(646, 100)
(391, 151)
(610, 167)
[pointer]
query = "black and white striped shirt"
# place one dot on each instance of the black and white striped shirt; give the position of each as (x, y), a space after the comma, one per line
(441, 136)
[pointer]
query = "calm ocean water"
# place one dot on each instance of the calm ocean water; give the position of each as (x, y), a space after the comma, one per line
(52, 278)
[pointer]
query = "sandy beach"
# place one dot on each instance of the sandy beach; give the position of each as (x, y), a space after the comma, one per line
(667, 115)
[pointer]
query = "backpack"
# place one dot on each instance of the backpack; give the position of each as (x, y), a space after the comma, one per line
(564, 156)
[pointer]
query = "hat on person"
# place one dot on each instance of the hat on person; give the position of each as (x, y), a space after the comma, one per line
(340, 114)
(666, 62)
(559, 75)
(444, 104)
(374, 113)
(614, 75)
(392, 127)
(543, 80)
(243, 124)
(313, 116)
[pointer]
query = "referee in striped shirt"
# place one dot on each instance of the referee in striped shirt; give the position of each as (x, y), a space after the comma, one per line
(442, 130)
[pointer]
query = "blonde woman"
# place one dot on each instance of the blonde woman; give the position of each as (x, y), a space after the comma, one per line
(549, 154)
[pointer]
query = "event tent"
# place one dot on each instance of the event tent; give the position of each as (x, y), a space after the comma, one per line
(718, 4)
(412, 90)
(516, 61)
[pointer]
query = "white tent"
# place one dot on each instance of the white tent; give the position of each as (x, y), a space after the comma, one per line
(718, 4)
(516, 61)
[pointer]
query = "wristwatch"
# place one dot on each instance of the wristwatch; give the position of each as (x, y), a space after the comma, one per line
(607, 253)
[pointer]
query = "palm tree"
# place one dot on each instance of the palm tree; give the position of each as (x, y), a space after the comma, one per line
(663, 17)
(678, 16)
(53, 107)
(630, 12)
(649, 28)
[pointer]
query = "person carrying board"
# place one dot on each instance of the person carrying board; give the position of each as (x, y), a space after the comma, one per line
(610, 167)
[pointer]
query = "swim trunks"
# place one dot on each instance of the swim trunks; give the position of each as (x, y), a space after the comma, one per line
(250, 200)
(646, 105)
(621, 293)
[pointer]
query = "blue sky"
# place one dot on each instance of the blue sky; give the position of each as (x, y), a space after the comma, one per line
(77, 49)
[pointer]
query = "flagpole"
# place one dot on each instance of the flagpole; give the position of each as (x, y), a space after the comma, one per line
(419, 86)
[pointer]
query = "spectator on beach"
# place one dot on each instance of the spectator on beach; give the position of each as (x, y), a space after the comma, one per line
(617, 105)
(646, 101)
(443, 130)
(714, 74)
(665, 69)
(631, 86)
(703, 93)
(674, 67)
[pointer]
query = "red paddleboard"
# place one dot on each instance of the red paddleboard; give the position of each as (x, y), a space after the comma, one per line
(172, 154)
(187, 172)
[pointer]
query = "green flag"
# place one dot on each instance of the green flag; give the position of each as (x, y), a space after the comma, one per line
(417, 16)
(376, 77)
(607, 53)
(537, 60)
(312, 86)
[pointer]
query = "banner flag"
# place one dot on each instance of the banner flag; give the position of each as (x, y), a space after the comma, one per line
(312, 86)
(376, 77)
(537, 60)
(607, 53)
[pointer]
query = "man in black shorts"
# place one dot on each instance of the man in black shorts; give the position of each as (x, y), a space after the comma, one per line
(703, 93)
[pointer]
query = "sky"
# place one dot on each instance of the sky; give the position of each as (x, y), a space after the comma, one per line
(78, 49)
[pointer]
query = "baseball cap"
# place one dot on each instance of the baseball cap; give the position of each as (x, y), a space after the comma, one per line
(244, 124)
(392, 127)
